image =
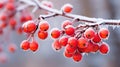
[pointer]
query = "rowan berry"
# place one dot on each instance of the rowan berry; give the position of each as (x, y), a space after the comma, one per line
(96, 38)
(3, 17)
(104, 48)
(55, 33)
(1, 4)
(33, 46)
(67, 54)
(67, 8)
(10, 6)
(44, 25)
(42, 35)
(82, 42)
(63, 40)
(12, 48)
(95, 48)
(70, 49)
(72, 41)
(89, 33)
(12, 22)
(56, 45)
(29, 26)
(65, 23)
(77, 57)
(25, 45)
(69, 30)
(104, 33)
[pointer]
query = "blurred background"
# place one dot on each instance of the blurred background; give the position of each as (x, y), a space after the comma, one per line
(47, 57)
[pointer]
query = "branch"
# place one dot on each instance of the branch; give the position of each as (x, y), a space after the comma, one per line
(78, 17)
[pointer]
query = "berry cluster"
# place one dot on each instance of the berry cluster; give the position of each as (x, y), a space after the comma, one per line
(79, 41)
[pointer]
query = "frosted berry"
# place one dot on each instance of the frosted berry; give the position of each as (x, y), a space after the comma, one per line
(67, 8)
(70, 49)
(56, 45)
(44, 25)
(12, 22)
(72, 41)
(42, 35)
(29, 26)
(96, 38)
(10, 6)
(104, 33)
(33, 46)
(63, 40)
(65, 23)
(104, 48)
(95, 48)
(25, 45)
(82, 42)
(69, 30)
(67, 54)
(77, 57)
(89, 33)
(55, 33)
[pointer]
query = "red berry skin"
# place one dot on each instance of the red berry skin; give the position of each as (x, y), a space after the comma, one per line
(42, 35)
(33, 46)
(82, 42)
(95, 48)
(56, 45)
(72, 42)
(3, 17)
(70, 49)
(69, 30)
(89, 47)
(77, 57)
(104, 48)
(25, 45)
(67, 54)
(22, 19)
(104, 33)
(12, 23)
(67, 8)
(63, 40)
(12, 48)
(29, 27)
(1, 5)
(10, 6)
(96, 38)
(28, 18)
(89, 33)
(55, 33)
(44, 25)
(65, 23)
(19, 30)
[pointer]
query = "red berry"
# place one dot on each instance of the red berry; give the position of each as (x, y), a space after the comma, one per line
(12, 48)
(63, 40)
(3, 17)
(67, 8)
(65, 23)
(3, 24)
(1, 4)
(96, 38)
(82, 42)
(89, 33)
(77, 57)
(22, 19)
(12, 22)
(56, 45)
(89, 47)
(72, 41)
(33, 46)
(25, 45)
(69, 30)
(67, 54)
(29, 26)
(10, 6)
(55, 33)
(95, 47)
(19, 30)
(44, 25)
(70, 49)
(104, 33)
(104, 48)
(42, 34)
